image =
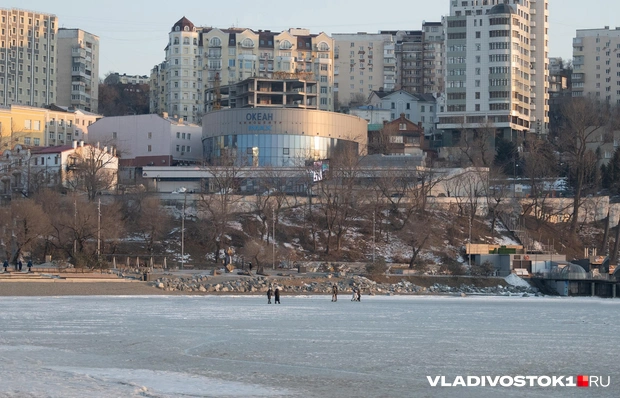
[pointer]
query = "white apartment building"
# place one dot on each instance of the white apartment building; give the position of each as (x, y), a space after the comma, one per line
(497, 67)
(28, 61)
(596, 64)
(78, 70)
(59, 165)
(149, 140)
(361, 60)
(199, 58)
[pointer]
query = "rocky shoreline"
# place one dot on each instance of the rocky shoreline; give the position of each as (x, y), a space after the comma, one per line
(260, 284)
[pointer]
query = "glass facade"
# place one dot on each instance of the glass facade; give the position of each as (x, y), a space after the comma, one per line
(276, 150)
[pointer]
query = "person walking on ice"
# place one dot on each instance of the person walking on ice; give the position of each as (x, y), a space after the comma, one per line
(335, 292)
(277, 295)
(269, 294)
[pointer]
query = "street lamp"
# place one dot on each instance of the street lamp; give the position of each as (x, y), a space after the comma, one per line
(273, 240)
(184, 191)
(373, 237)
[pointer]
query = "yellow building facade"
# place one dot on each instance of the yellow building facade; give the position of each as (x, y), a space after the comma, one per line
(38, 127)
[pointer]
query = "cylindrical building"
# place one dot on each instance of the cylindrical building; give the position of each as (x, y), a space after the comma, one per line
(279, 137)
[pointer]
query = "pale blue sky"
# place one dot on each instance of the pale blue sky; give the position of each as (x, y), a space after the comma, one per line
(133, 34)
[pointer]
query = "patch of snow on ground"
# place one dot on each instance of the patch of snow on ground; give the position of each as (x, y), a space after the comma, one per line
(506, 241)
(515, 280)
(236, 225)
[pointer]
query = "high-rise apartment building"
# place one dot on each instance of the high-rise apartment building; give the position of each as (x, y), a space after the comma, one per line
(28, 60)
(199, 58)
(365, 62)
(410, 60)
(596, 64)
(497, 67)
(78, 70)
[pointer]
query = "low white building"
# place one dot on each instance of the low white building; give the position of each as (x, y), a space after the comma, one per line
(74, 167)
(148, 140)
(419, 108)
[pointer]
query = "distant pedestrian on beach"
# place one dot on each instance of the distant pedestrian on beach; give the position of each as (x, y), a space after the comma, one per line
(359, 294)
(335, 292)
(19, 265)
(5, 265)
(354, 298)
(250, 266)
(277, 295)
(29, 265)
(269, 294)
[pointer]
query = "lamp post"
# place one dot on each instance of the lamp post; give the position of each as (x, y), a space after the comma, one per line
(373, 237)
(183, 227)
(273, 239)
(98, 230)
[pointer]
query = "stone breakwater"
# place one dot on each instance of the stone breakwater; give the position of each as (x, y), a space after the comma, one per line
(297, 286)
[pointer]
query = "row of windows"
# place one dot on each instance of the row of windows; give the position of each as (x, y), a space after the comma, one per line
(22, 21)
(183, 136)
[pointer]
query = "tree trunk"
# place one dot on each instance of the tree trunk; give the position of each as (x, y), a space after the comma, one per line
(604, 246)
(614, 254)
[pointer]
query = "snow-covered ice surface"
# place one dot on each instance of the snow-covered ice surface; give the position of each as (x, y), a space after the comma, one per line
(306, 347)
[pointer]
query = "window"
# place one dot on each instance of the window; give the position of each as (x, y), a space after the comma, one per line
(150, 135)
(285, 151)
(149, 148)
(178, 136)
(178, 148)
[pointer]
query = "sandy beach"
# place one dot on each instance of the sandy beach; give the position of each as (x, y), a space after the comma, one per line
(53, 288)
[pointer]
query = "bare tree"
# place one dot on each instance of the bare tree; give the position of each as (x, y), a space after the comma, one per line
(338, 198)
(540, 171)
(23, 223)
(219, 201)
(478, 144)
(146, 218)
(587, 123)
(92, 170)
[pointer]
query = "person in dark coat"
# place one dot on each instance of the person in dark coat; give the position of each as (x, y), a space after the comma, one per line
(335, 292)
(277, 295)
(359, 294)
(29, 265)
(269, 294)
(250, 266)
(6, 265)
(19, 265)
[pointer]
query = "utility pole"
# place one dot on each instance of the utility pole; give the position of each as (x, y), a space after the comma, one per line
(183, 230)
(99, 229)
(373, 237)
(74, 225)
(273, 239)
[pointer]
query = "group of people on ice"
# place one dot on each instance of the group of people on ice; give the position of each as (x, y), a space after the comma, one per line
(357, 293)
(275, 294)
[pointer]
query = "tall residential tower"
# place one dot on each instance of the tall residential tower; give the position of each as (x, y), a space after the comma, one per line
(78, 70)
(27, 57)
(497, 67)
